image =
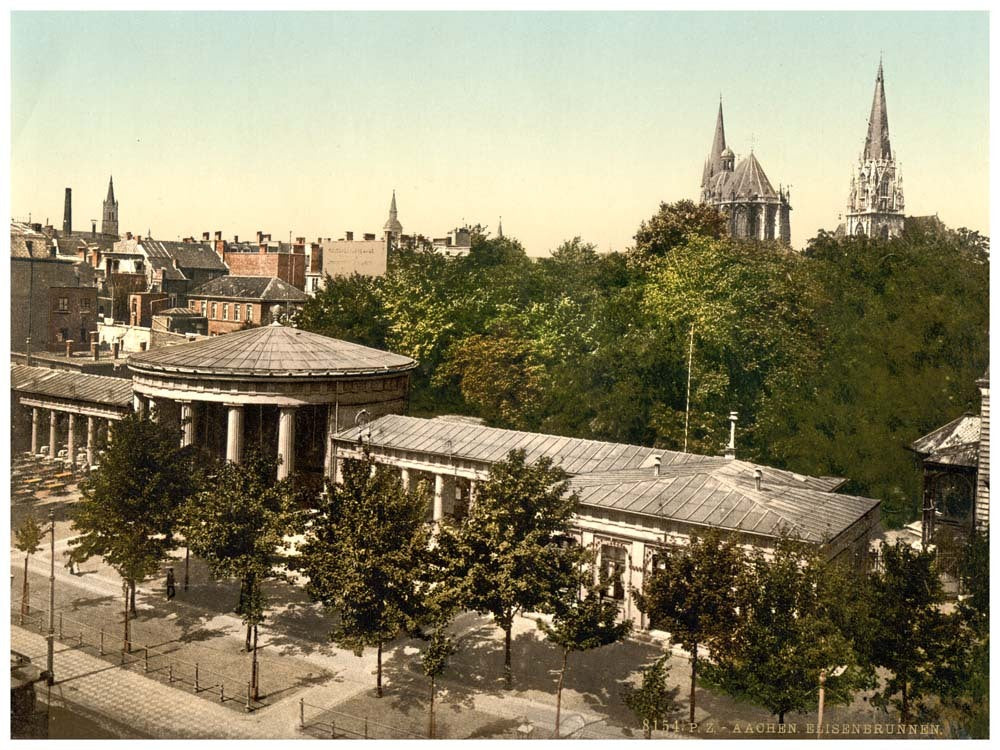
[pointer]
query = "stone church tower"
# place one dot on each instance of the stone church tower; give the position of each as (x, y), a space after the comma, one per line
(109, 222)
(392, 229)
(875, 208)
(742, 192)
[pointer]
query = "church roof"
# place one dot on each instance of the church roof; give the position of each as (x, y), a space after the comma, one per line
(271, 351)
(877, 141)
(747, 182)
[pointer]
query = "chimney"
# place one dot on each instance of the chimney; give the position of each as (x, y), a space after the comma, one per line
(69, 347)
(757, 476)
(657, 460)
(93, 351)
(204, 236)
(68, 212)
(93, 337)
(260, 236)
(142, 346)
(128, 235)
(369, 237)
(218, 235)
(114, 349)
(349, 236)
(236, 238)
(731, 448)
(93, 227)
(267, 238)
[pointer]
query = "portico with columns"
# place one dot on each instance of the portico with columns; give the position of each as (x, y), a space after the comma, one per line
(280, 390)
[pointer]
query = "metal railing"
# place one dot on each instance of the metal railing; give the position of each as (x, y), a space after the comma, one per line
(138, 656)
(339, 725)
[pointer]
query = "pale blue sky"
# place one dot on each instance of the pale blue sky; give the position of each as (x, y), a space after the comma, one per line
(563, 123)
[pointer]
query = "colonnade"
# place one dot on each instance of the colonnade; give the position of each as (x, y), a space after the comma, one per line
(71, 430)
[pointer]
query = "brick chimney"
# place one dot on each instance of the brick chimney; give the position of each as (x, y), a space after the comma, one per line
(69, 347)
(114, 349)
(204, 236)
(218, 235)
(93, 227)
(349, 236)
(68, 211)
(95, 355)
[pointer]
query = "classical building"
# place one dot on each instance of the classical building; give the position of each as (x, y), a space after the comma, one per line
(742, 192)
(875, 206)
(232, 303)
(636, 503)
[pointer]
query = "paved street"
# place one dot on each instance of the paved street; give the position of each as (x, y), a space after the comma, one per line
(299, 664)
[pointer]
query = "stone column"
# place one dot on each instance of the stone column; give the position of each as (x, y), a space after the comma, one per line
(329, 452)
(404, 475)
(438, 497)
(286, 441)
(187, 423)
(35, 418)
(637, 573)
(90, 441)
(52, 433)
(234, 434)
(71, 439)
(111, 432)
(154, 413)
(473, 489)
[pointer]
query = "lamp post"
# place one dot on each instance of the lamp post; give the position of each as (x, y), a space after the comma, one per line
(822, 695)
(52, 598)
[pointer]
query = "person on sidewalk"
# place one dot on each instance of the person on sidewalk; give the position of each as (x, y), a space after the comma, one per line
(72, 564)
(171, 586)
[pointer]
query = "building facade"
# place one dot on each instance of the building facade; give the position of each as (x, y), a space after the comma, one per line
(875, 206)
(232, 303)
(743, 193)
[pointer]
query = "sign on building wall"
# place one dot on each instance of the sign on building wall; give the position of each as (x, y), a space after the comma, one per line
(344, 257)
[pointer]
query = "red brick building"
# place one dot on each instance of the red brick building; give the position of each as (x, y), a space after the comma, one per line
(72, 317)
(264, 258)
(231, 303)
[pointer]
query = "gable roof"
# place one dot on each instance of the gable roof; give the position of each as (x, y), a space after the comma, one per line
(956, 443)
(257, 288)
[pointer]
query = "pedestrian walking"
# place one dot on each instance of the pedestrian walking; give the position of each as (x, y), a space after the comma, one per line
(171, 587)
(72, 563)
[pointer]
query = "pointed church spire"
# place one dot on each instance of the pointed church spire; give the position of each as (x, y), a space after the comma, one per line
(392, 226)
(111, 189)
(392, 207)
(719, 142)
(877, 143)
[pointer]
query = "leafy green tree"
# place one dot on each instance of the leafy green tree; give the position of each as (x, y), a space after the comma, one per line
(27, 539)
(581, 624)
(911, 632)
(366, 547)
(349, 308)
(506, 557)
(691, 597)
(975, 575)
(786, 635)
(673, 224)
(653, 702)
(129, 505)
(239, 526)
(440, 647)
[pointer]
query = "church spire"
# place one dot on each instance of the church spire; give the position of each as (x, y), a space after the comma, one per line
(111, 190)
(877, 146)
(392, 226)
(719, 142)
(109, 217)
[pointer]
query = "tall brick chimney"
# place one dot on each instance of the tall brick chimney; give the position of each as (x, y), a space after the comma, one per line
(68, 211)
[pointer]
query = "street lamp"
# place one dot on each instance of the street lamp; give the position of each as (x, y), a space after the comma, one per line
(52, 598)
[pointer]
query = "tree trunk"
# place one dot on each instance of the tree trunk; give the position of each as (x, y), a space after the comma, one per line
(430, 724)
(378, 673)
(694, 671)
(781, 717)
(507, 675)
(131, 585)
(126, 645)
(246, 646)
(254, 666)
(906, 704)
(24, 591)
(562, 674)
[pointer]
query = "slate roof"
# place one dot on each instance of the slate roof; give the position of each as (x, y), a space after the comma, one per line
(955, 444)
(257, 288)
(180, 312)
(877, 145)
(66, 384)
(709, 495)
(20, 235)
(703, 490)
(745, 182)
(270, 351)
(197, 255)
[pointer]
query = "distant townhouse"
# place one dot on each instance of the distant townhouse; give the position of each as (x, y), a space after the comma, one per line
(231, 303)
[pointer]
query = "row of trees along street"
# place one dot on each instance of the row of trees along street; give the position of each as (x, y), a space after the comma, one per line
(836, 358)
(762, 630)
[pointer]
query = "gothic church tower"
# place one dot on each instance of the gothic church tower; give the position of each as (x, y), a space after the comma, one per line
(109, 222)
(875, 208)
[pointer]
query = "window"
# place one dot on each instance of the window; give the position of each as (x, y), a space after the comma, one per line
(204, 305)
(236, 312)
(613, 567)
(225, 311)
(84, 305)
(215, 311)
(249, 313)
(63, 304)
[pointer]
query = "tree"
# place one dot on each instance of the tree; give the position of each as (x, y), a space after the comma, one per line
(239, 526)
(910, 632)
(673, 224)
(582, 624)
(653, 702)
(691, 596)
(435, 657)
(366, 546)
(506, 557)
(786, 636)
(349, 308)
(27, 539)
(129, 505)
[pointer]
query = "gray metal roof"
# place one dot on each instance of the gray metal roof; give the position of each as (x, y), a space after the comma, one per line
(66, 384)
(270, 351)
(260, 288)
(956, 443)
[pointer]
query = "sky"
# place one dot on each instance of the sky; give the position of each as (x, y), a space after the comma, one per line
(565, 124)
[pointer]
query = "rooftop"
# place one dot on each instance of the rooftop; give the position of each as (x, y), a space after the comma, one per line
(956, 443)
(270, 351)
(260, 288)
(67, 384)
